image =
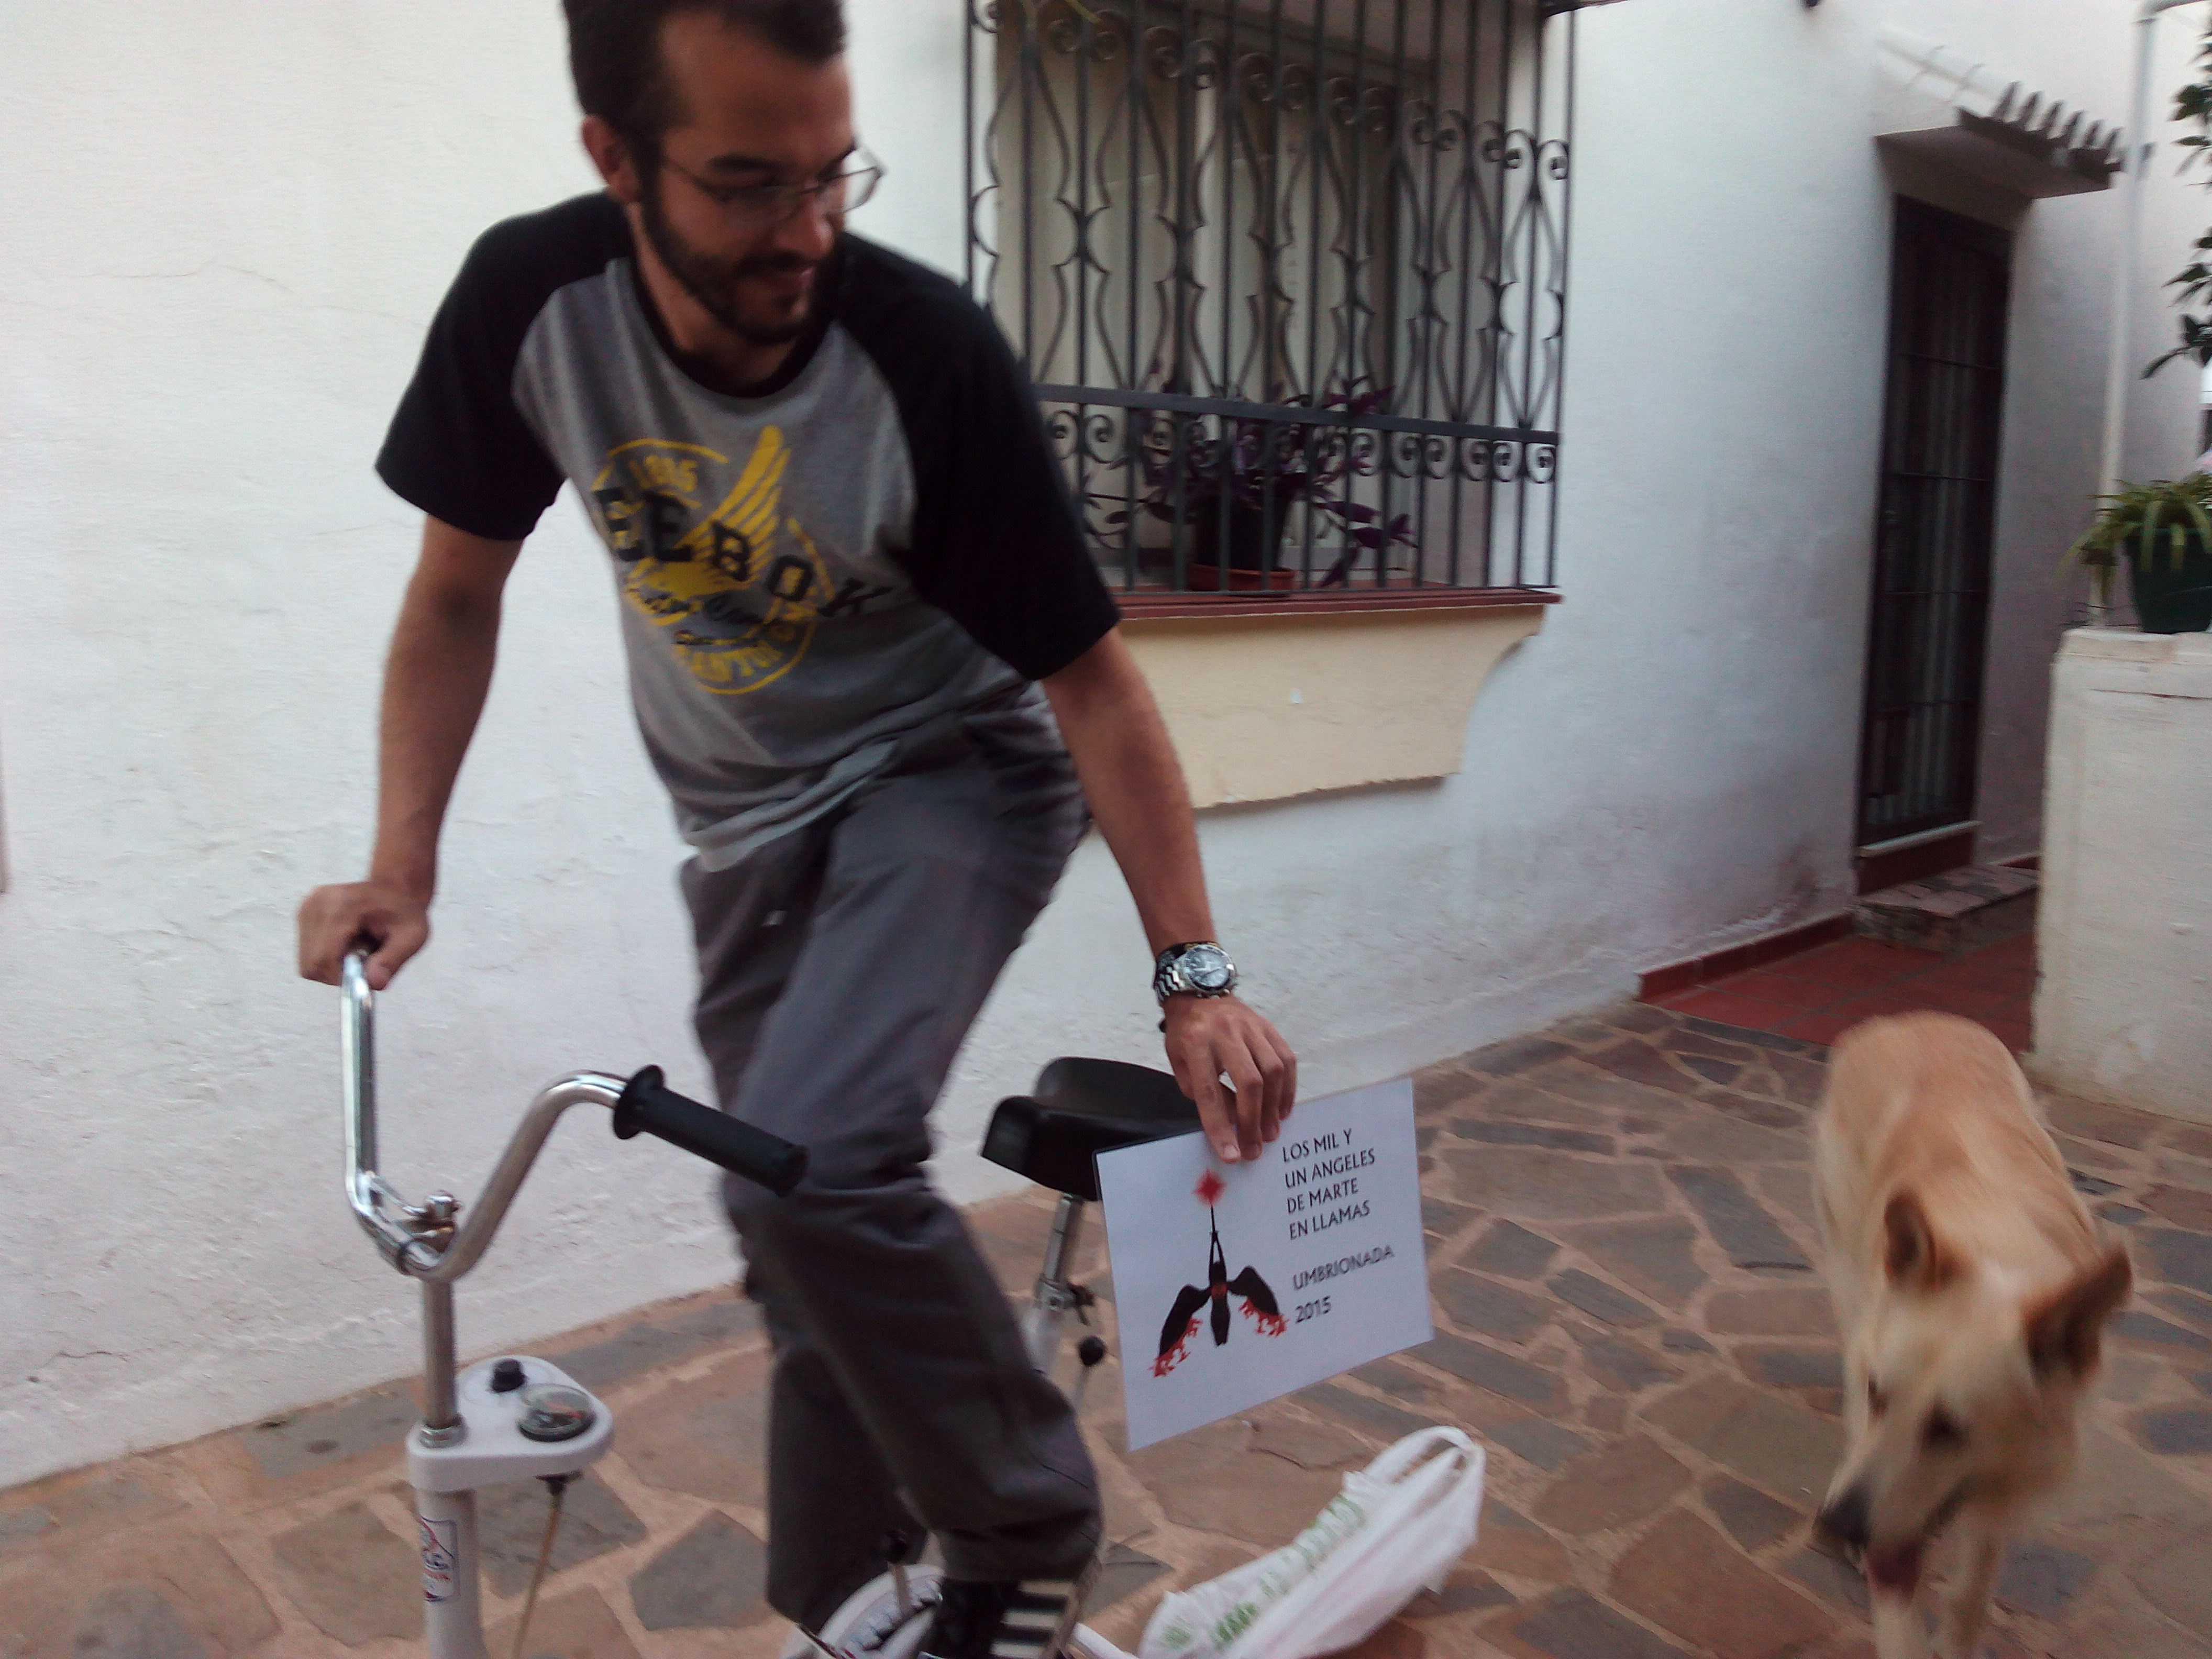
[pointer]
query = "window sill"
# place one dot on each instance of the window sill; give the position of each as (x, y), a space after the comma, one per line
(1269, 698)
(1145, 605)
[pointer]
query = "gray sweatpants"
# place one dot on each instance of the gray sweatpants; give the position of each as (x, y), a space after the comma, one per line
(841, 966)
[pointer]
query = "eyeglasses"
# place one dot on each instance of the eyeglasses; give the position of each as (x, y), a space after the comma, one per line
(757, 207)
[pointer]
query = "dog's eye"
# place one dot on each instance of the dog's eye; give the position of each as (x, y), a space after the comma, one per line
(1943, 1432)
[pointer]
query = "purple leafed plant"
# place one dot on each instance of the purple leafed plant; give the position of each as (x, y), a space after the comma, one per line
(1264, 469)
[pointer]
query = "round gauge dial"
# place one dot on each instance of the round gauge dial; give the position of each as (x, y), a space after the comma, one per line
(553, 1411)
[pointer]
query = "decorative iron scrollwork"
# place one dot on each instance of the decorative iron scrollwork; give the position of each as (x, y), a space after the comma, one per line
(1296, 267)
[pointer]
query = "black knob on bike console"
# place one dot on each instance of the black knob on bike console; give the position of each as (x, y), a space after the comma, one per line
(648, 1104)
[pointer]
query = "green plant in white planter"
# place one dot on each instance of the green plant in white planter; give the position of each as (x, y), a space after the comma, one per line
(2163, 531)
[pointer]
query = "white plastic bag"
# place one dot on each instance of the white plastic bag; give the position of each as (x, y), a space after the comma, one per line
(1399, 1527)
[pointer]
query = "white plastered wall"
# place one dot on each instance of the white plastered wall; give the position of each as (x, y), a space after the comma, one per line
(2123, 1007)
(2080, 55)
(241, 216)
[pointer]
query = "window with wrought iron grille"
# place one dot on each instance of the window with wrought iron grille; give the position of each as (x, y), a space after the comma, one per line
(1290, 276)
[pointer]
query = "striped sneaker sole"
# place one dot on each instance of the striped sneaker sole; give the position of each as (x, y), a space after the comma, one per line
(1041, 1615)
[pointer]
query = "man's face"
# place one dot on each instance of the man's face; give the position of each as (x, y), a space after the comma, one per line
(748, 115)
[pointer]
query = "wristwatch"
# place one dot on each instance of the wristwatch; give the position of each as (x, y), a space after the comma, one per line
(1198, 969)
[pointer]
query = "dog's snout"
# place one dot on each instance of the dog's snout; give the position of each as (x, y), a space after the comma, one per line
(1847, 1519)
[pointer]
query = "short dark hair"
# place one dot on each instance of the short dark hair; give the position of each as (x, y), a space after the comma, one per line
(614, 52)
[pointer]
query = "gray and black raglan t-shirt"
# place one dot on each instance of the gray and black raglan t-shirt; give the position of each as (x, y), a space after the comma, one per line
(877, 542)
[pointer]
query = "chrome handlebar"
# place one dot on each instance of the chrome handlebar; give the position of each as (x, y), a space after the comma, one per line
(365, 1189)
(420, 1240)
(424, 1241)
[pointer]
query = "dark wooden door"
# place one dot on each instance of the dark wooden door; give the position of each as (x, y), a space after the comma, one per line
(1950, 278)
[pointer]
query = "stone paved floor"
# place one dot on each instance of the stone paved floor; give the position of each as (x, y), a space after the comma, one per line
(1617, 1211)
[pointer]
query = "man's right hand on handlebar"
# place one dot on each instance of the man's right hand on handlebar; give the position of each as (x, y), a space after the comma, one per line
(392, 922)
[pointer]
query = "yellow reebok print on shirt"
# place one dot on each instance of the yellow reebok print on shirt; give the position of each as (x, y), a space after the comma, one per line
(741, 613)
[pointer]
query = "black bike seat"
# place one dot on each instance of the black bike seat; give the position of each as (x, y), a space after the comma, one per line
(1078, 1109)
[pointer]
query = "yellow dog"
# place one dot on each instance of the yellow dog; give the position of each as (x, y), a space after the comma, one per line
(1972, 1289)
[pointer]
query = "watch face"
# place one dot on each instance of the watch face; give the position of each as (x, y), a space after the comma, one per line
(1206, 967)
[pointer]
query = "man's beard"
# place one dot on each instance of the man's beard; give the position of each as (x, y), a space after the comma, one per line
(715, 283)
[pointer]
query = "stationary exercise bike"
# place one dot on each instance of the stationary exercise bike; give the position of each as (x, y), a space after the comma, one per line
(515, 1417)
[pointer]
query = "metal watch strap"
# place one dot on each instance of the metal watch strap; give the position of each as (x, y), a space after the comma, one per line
(1167, 982)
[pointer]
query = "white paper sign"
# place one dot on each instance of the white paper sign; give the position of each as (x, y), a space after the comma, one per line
(1234, 1283)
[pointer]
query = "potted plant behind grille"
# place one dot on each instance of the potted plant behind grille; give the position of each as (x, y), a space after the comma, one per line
(2163, 531)
(1242, 488)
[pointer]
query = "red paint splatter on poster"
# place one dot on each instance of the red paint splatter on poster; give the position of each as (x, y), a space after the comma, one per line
(1171, 1358)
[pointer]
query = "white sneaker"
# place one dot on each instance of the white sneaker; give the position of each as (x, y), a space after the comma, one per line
(872, 1624)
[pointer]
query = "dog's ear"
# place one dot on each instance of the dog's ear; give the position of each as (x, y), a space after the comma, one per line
(2064, 1330)
(1915, 1258)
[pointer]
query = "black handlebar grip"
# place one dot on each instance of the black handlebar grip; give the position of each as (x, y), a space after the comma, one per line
(648, 1103)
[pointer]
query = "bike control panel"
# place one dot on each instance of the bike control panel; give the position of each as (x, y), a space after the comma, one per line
(520, 1417)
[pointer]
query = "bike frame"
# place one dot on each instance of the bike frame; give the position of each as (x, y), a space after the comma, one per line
(470, 1436)
(1056, 1298)
(471, 1433)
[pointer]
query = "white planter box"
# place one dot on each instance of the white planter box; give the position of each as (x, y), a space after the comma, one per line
(2123, 1011)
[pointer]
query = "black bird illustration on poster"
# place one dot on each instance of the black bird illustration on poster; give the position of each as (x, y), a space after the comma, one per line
(1257, 1301)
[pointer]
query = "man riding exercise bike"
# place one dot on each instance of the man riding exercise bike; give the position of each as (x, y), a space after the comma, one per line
(880, 675)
